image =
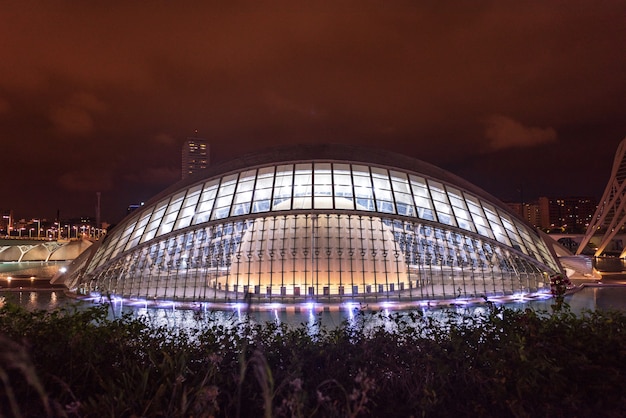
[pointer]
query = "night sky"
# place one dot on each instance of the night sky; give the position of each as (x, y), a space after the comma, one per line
(99, 96)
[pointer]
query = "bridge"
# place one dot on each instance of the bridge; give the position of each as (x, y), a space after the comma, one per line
(38, 258)
(614, 246)
(610, 215)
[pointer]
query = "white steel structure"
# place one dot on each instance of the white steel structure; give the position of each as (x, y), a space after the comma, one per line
(326, 224)
(610, 216)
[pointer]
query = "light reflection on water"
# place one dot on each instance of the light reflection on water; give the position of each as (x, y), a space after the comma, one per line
(589, 298)
(35, 300)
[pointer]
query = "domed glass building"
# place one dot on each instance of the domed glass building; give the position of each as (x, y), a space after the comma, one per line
(326, 224)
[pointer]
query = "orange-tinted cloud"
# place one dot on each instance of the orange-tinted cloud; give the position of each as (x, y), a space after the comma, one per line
(155, 175)
(86, 180)
(504, 132)
(71, 120)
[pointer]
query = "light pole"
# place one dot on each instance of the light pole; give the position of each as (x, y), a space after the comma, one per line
(8, 218)
(38, 227)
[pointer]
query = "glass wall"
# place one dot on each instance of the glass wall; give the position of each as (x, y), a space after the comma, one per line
(326, 257)
(322, 230)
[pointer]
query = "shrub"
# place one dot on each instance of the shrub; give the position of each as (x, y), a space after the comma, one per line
(72, 363)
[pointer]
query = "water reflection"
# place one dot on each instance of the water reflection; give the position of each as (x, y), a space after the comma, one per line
(589, 298)
(35, 300)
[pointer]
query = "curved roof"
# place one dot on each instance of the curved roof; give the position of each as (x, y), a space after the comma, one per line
(327, 152)
(324, 178)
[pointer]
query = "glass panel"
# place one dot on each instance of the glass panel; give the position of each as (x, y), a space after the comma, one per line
(440, 200)
(437, 191)
(283, 188)
(141, 226)
(224, 197)
(155, 219)
(456, 198)
(363, 190)
(323, 187)
(496, 225)
(461, 212)
(171, 214)
(124, 237)
(516, 241)
(421, 197)
(344, 196)
(263, 190)
(243, 195)
(400, 182)
(382, 190)
(444, 213)
(205, 206)
(478, 216)
(303, 186)
(189, 207)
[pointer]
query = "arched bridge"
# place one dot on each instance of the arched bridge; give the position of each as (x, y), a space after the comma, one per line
(22, 251)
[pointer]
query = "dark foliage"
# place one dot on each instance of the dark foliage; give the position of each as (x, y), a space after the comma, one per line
(71, 363)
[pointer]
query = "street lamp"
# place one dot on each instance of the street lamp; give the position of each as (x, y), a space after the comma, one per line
(38, 227)
(8, 218)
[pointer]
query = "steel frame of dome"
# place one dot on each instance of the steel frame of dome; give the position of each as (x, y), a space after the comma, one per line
(327, 224)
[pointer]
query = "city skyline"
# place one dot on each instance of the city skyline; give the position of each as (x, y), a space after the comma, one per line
(509, 96)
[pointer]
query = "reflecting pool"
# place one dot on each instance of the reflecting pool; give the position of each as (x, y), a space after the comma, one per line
(607, 297)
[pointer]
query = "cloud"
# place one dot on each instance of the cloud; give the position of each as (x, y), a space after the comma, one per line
(87, 101)
(75, 118)
(155, 176)
(504, 132)
(164, 138)
(71, 120)
(86, 180)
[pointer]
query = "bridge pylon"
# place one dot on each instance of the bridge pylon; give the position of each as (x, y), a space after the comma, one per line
(611, 212)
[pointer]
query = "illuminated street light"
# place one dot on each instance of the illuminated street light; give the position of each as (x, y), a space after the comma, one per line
(38, 226)
(8, 218)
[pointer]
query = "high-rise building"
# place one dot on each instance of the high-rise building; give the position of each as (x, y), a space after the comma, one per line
(572, 214)
(529, 211)
(6, 221)
(195, 156)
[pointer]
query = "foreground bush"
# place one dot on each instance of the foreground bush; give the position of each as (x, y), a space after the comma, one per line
(505, 363)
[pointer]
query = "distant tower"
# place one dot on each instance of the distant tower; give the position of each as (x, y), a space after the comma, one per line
(97, 209)
(611, 212)
(195, 155)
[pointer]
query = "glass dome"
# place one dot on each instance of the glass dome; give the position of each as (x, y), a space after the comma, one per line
(279, 227)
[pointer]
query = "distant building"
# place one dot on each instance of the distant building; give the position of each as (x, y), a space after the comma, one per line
(569, 214)
(133, 207)
(195, 156)
(529, 211)
(572, 214)
(6, 221)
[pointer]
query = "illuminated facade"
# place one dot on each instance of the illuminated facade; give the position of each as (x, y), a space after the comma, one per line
(195, 156)
(327, 224)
